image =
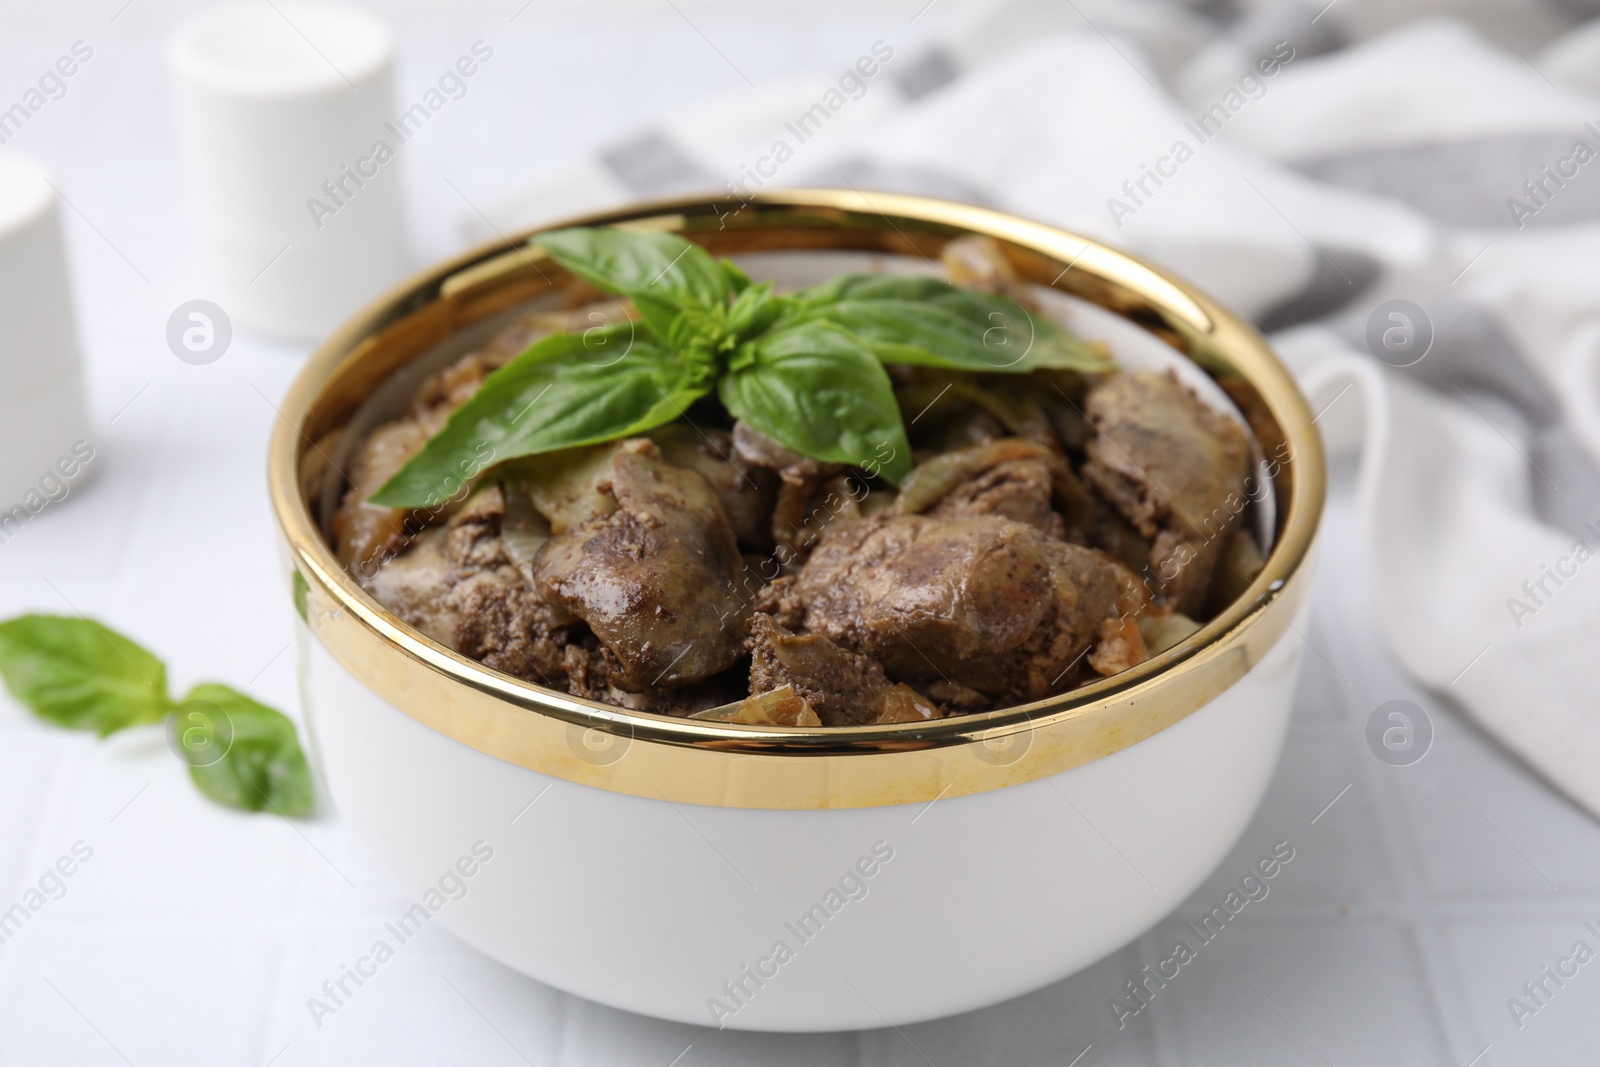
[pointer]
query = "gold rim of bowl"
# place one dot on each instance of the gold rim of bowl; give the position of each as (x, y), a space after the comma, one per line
(696, 762)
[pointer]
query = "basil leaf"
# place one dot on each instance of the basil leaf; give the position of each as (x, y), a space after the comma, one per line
(754, 311)
(738, 279)
(569, 389)
(661, 272)
(930, 322)
(903, 331)
(81, 675)
(919, 288)
(263, 767)
(816, 388)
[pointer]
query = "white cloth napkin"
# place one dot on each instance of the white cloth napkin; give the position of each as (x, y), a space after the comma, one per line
(1331, 177)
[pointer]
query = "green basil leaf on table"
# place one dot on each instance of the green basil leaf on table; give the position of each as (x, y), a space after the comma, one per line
(262, 767)
(661, 272)
(569, 389)
(79, 674)
(816, 388)
(930, 322)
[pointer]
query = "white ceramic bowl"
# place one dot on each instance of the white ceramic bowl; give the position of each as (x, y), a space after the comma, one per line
(792, 879)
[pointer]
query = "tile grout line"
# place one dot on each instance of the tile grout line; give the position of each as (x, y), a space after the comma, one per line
(1425, 931)
(298, 925)
(1166, 1036)
(1342, 618)
(34, 852)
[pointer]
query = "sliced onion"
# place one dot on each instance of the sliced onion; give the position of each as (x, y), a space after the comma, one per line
(776, 707)
(565, 486)
(522, 528)
(904, 704)
(1161, 632)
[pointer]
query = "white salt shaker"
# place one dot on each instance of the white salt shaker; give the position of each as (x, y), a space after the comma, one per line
(44, 427)
(292, 175)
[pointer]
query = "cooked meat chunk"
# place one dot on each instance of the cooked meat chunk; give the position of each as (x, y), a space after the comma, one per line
(1094, 586)
(845, 498)
(1241, 561)
(459, 586)
(473, 535)
(566, 486)
(1119, 647)
(799, 477)
(955, 695)
(985, 602)
(451, 387)
(777, 598)
(592, 672)
(748, 491)
(507, 625)
(1061, 395)
(1108, 531)
(955, 412)
(316, 465)
(937, 418)
(1011, 478)
(930, 598)
(418, 587)
(1017, 489)
(1159, 453)
(366, 534)
(658, 580)
(842, 687)
(1175, 468)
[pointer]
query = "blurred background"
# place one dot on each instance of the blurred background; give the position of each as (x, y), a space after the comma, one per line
(1402, 194)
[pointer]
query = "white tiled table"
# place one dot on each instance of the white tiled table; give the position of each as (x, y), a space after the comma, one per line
(1414, 907)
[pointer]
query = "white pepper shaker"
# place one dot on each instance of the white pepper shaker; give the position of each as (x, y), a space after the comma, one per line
(44, 427)
(292, 176)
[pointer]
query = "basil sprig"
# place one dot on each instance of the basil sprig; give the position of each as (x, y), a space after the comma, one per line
(931, 323)
(79, 674)
(806, 369)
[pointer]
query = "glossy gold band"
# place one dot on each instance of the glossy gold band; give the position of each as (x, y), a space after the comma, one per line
(687, 761)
